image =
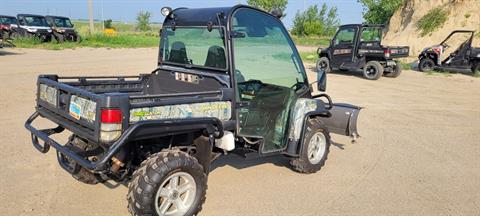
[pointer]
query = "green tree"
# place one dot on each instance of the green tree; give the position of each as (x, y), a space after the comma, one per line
(379, 11)
(269, 5)
(315, 21)
(143, 21)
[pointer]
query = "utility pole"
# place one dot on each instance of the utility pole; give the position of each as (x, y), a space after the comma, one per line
(90, 15)
(103, 20)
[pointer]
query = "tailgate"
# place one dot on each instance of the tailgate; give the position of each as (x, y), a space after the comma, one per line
(72, 108)
(399, 51)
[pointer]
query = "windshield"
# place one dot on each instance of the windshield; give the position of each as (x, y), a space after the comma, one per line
(8, 20)
(35, 21)
(197, 47)
(62, 22)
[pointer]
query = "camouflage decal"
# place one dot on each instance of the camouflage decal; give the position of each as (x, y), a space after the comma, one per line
(220, 109)
(82, 108)
(48, 94)
(302, 106)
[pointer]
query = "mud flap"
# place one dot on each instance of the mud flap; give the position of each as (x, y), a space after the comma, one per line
(343, 120)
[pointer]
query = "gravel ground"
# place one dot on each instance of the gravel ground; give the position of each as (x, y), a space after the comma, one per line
(419, 153)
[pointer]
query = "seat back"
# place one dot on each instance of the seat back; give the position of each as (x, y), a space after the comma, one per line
(216, 57)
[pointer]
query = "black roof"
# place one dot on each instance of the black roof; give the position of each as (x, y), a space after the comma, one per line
(7, 16)
(33, 15)
(363, 25)
(61, 17)
(202, 16)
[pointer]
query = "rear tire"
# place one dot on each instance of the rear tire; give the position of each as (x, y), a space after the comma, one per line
(316, 144)
(373, 70)
(426, 65)
(397, 70)
(323, 64)
(80, 173)
(153, 189)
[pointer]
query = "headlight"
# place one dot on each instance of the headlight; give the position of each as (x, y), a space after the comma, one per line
(31, 30)
(49, 30)
(48, 94)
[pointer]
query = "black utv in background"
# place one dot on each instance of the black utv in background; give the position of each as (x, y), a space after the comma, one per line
(62, 29)
(464, 58)
(30, 25)
(358, 47)
(161, 131)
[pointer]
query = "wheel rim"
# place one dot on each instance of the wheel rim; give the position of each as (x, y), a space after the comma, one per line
(176, 194)
(322, 65)
(427, 65)
(316, 147)
(370, 71)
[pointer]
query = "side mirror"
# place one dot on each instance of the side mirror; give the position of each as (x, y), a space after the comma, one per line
(321, 80)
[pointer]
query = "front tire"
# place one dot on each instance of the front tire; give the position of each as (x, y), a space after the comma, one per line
(170, 182)
(323, 64)
(316, 145)
(426, 65)
(476, 67)
(373, 70)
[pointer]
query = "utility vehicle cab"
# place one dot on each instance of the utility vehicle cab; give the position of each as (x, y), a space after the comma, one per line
(33, 26)
(229, 80)
(63, 29)
(358, 47)
(454, 53)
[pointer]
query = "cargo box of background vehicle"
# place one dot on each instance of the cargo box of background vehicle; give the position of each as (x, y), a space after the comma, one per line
(161, 131)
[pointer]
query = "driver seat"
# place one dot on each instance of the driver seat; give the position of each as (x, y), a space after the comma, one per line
(178, 53)
(216, 58)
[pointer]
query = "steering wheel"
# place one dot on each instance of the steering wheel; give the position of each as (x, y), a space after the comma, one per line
(297, 86)
(329, 99)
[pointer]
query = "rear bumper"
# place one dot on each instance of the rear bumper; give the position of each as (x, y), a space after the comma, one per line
(212, 126)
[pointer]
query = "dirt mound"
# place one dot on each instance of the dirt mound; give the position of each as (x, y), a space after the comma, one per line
(403, 29)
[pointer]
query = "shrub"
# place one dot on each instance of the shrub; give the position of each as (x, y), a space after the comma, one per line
(316, 22)
(143, 21)
(379, 11)
(433, 20)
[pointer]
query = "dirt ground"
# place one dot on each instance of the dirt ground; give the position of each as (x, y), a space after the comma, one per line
(419, 153)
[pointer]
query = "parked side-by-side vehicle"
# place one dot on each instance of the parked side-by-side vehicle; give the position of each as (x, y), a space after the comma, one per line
(30, 25)
(62, 29)
(357, 47)
(228, 79)
(463, 58)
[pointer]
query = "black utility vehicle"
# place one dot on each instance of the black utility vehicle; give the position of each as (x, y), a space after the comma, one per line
(62, 29)
(33, 26)
(358, 47)
(161, 131)
(464, 58)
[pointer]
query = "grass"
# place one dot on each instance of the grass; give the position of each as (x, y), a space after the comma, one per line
(309, 57)
(311, 41)
(433, 20)
(124, 40)
(404, 65)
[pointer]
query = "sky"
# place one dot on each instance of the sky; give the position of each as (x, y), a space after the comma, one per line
(349, 11)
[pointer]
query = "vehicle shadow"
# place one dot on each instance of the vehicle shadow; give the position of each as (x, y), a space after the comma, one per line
(239, 162)
(5, 53)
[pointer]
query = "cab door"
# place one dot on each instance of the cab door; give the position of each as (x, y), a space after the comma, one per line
(343, 46)
(268, 76)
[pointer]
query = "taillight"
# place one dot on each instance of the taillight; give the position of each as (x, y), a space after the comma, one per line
(111, 125)
(387, 53)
